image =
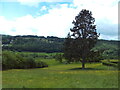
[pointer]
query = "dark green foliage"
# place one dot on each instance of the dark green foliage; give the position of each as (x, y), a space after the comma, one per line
(13, 60)
(59, 57)
(41, 44)
(8, 60)
(41, 64)
(71, 50)
(67, 48)
(94, 56)
(83, 38)
(109, 49)
(113, 63)
(29, 63)
(6, 39)
(33, 43)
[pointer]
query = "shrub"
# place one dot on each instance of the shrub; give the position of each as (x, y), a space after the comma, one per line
(12, 60)
(110, 63)
(41, 64)
(8, 60)
(59, 57)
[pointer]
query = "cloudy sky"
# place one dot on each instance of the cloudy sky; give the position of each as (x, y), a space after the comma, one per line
(54, 17)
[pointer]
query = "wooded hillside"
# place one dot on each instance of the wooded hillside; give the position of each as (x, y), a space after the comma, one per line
(52, 44)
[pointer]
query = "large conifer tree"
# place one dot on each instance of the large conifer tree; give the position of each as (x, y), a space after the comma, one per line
(84, 37)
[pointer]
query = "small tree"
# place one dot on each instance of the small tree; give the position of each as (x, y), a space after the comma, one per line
(83, 37)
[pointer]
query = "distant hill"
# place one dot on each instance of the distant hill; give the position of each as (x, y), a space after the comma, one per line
(51, 44)
(32, 43)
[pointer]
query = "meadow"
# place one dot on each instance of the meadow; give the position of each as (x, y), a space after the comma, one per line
(59, 75)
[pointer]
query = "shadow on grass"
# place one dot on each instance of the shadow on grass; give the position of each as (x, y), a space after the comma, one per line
(85, 69)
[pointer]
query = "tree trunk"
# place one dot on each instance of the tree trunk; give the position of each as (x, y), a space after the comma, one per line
(83, 57)
(83, 54)
(83, 63)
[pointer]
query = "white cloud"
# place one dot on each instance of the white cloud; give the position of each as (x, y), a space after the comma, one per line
(108, 37)
(43, 8)
(100, 8)
(56, 23)
(5, 25)
(58, 20)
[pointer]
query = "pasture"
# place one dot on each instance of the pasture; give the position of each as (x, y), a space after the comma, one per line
(58, 75)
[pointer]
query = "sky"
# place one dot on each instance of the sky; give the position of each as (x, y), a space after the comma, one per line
(54, 17)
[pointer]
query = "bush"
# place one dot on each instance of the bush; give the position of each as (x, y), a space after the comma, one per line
(41, 64)
(110, 63)
(59, 57)
(8, 60)
(29, 62)
(12, 60)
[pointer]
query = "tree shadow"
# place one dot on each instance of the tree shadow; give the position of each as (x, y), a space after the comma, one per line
(85, 69)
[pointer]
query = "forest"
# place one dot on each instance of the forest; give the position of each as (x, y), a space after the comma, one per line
(51, 44)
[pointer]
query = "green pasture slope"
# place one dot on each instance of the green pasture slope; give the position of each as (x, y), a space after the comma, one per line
(58, 75)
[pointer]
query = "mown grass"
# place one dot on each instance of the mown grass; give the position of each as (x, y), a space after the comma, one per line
(50, 62)
(62, 76)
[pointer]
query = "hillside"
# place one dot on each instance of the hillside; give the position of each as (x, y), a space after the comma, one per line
(32, 43)
(51, 44)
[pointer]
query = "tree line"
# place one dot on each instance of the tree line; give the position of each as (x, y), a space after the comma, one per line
(32, 43)
(41, 44)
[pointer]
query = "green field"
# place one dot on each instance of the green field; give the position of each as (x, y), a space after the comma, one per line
(59, 75)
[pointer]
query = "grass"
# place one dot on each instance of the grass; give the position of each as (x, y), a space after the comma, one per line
(62, 76)
(38, 53)
(50, 62)
(0, 79)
